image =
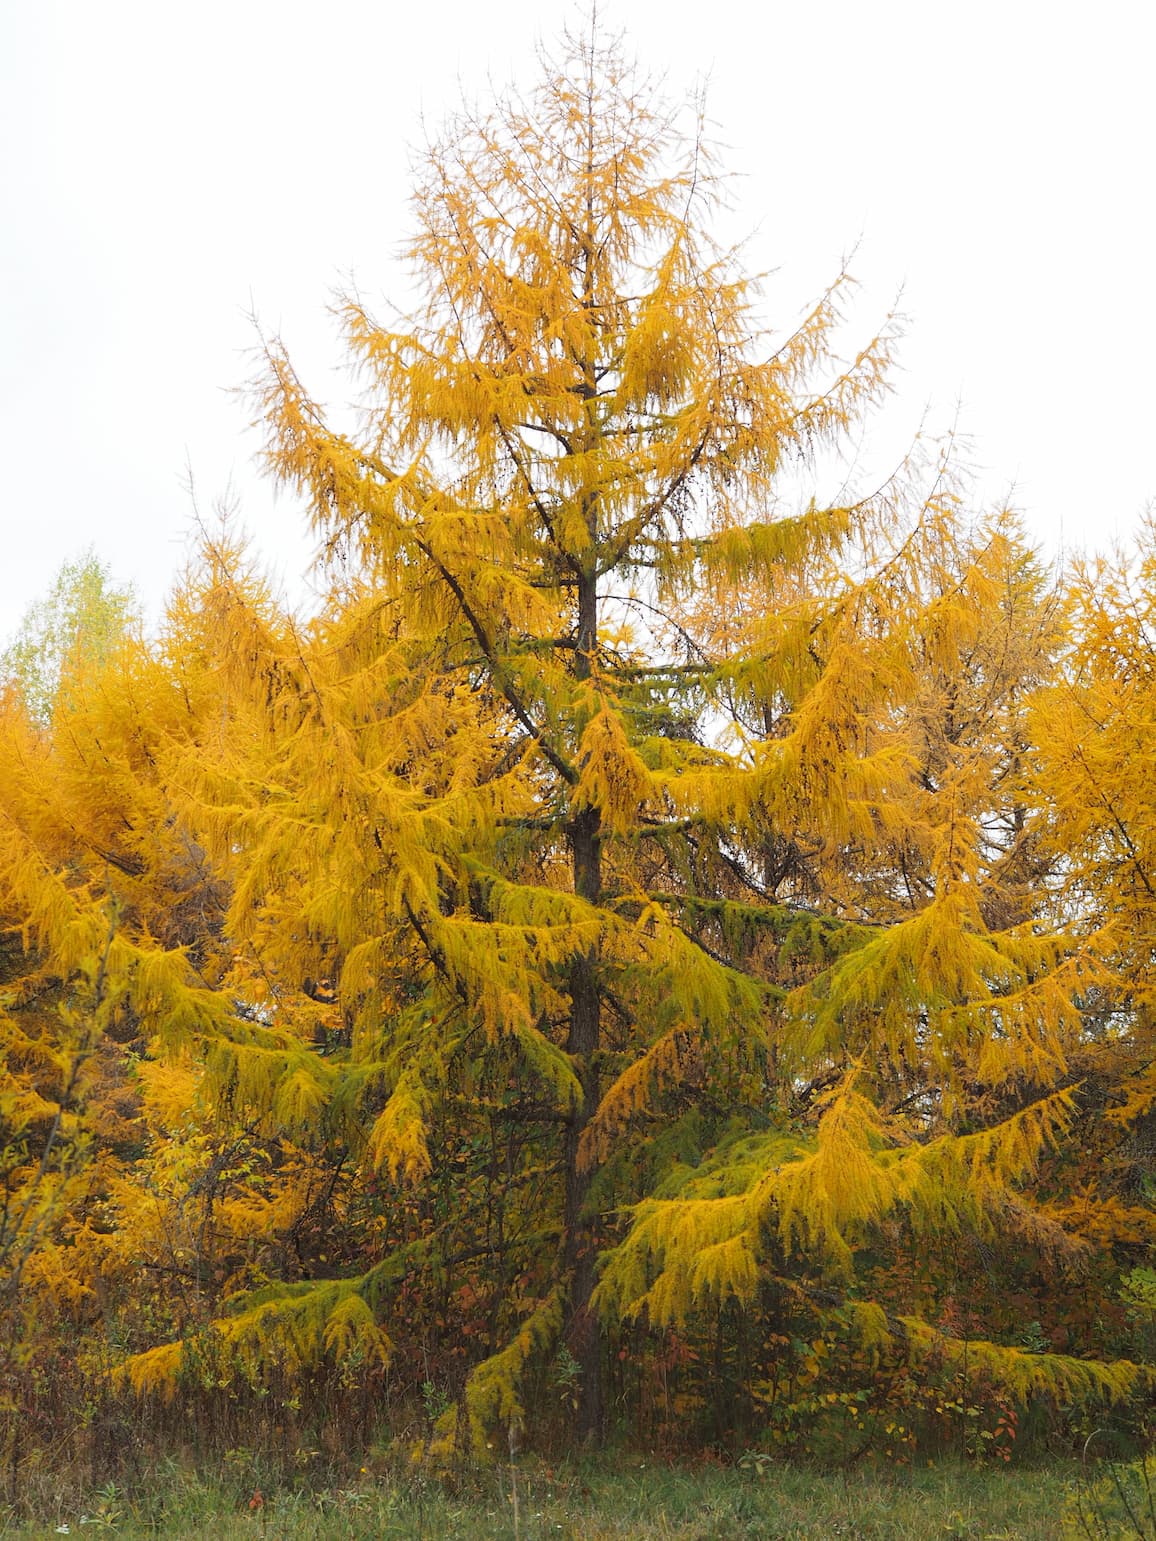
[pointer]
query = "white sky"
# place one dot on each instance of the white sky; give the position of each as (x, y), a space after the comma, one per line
(168, 167)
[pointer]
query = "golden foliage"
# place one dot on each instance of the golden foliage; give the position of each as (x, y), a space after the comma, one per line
(397, 1140)
(662, 878)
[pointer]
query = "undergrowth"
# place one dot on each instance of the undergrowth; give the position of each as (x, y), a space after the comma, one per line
(624, 1499)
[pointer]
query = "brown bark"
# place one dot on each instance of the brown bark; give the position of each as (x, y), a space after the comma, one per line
(585, 1333)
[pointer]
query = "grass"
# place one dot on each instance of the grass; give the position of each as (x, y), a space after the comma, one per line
(620, 1500)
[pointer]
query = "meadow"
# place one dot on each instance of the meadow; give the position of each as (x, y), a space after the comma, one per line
(622, 1499)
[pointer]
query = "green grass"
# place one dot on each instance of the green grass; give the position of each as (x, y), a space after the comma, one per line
(620, 1500)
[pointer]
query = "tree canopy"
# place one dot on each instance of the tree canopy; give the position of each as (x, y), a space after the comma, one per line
(646, 916)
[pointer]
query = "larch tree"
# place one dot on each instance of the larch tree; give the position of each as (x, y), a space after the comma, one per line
(140, 1186)
(102, 901)
(46, 1045)
(637, 819)
(583, 418)
(1094, 732)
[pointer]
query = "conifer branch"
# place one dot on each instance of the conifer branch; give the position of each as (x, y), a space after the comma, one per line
(501, 678)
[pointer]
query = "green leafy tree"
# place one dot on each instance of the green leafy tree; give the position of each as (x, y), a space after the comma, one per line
(82, 617)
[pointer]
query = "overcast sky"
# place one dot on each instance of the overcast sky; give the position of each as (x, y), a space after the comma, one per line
(169, 168)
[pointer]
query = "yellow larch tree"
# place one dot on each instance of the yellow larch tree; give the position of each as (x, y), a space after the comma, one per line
(612, 786)
(580, 417)
(1094, 727)
(135, 1191)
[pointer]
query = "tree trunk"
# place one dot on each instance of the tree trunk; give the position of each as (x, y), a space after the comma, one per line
(585, 1333)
